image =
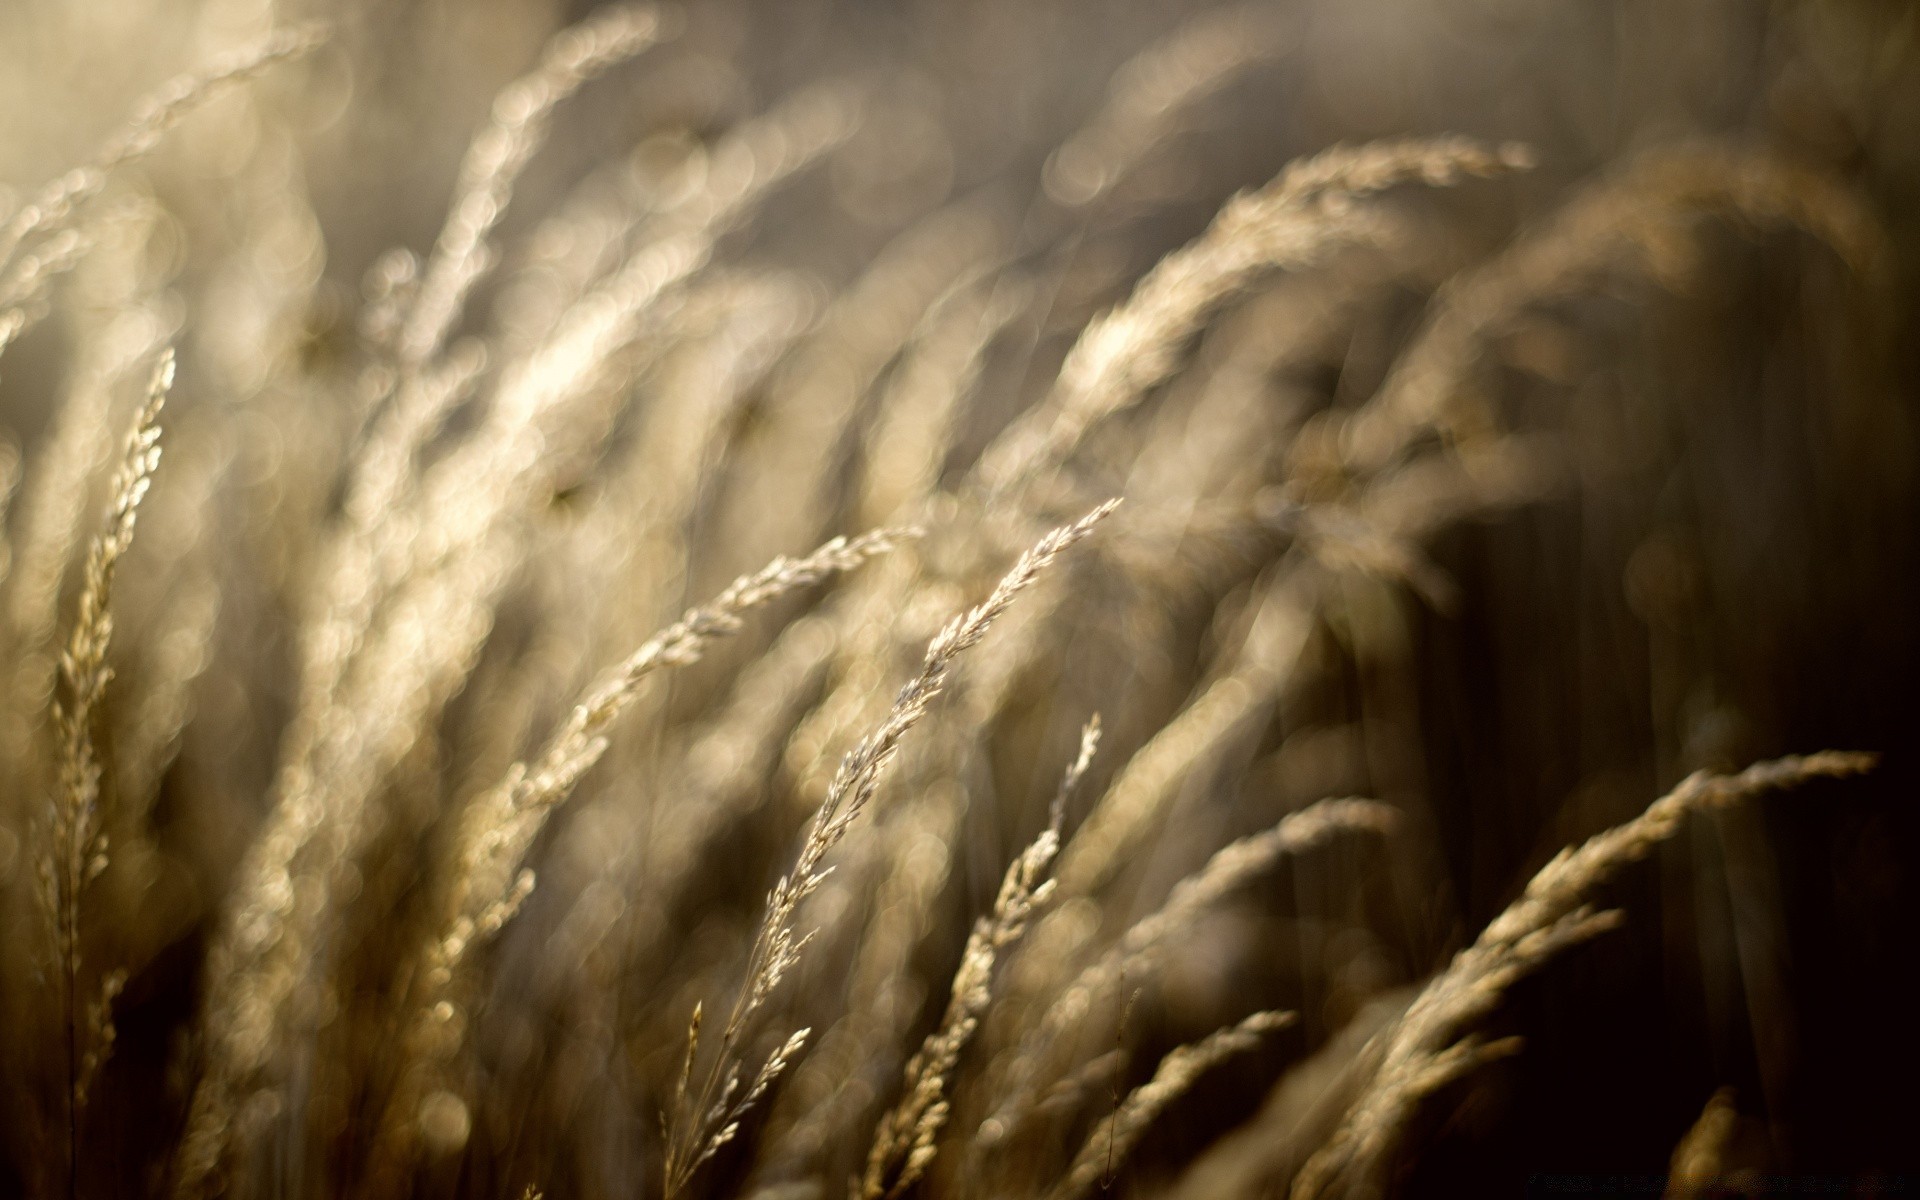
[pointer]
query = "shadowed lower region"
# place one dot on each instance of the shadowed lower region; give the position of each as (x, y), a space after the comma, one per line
(784, 600)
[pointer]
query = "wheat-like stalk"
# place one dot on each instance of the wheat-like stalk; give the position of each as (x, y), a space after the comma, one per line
(412, 593)
(488, 885)
(1035, 1061)
(1301, 215)
(461, 254)
(1117, 1133)
(1145, 787)
(707, 1120)
(907, 1137)
(53, 508)
(518, 127)
(77, 846)
(1433, 1044)
(381, 546)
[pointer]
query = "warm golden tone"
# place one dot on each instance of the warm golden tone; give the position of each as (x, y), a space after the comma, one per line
(958, 598)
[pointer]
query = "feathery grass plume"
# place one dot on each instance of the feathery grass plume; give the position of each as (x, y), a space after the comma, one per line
(901, 869)
(907, 1137)
(116, 344)
(77, 848)
(906, 446)
(1640, 217)
(617, 569)
(1139, 794)
(569, 364)
(488, 883)
(1153, 91)
(364, 562)
(707, 786)
(433, 566)
(53, 506)
(1302, 214)
(1037, 1061)
(1301, 1109)
(32, 250)
(832, 1097)
(494, 161)
(709, 783)
(1432, 1044)
(1136, 797)
(432, 571)
(461, 255)
(1115, 1136)
(705, 1121)
(868, 623)
(713, 782)
(378, 549)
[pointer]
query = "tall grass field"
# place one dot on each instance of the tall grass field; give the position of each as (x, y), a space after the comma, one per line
(797, 599)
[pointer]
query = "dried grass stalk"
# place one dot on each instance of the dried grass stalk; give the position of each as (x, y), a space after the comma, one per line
(907, 1137)
(428, 307)
(713, 782)
(1302, 214)
(1114, 1138)
(77, 850)
(1431, 1045)
(1036, 1061)
(708, 1119)
(488, 886)
(493, 163)
(407, 600)
(53, 508)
